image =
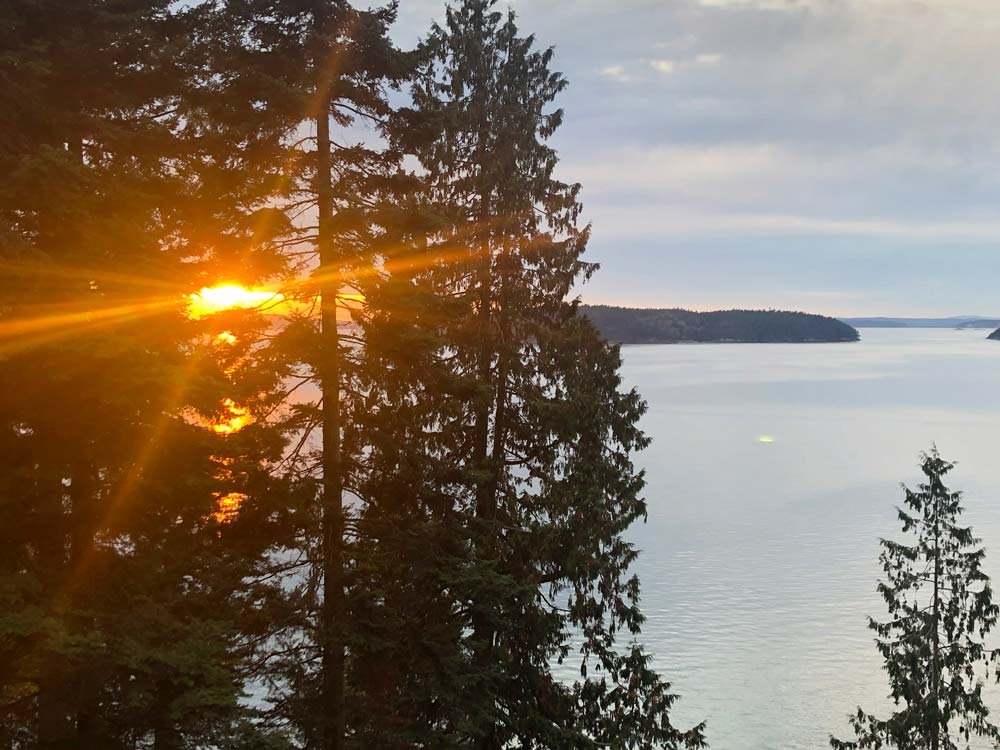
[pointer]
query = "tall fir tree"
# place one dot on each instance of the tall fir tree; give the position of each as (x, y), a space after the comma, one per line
(410, 670)
(940, 605)
(498, 481)
(336, 64)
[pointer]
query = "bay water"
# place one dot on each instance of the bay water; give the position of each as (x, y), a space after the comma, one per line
(773, 472)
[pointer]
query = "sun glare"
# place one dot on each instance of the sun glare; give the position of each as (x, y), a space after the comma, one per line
(227, 506)
(235, 419)
(214, 299)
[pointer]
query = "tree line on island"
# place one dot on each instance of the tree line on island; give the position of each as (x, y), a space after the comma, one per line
(628, 325)
(251, 527)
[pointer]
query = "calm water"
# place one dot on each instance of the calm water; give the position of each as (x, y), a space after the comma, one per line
(760, 558)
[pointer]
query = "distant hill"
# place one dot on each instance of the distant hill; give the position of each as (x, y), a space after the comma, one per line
(958, 321)
(981, 323)
(658, 326)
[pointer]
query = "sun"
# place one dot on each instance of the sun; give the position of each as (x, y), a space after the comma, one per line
(214, 299)
(235, 418)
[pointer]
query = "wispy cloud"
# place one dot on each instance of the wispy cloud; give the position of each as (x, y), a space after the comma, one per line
(638, 223)
(708, 58)
(662, 66)
(616, 73)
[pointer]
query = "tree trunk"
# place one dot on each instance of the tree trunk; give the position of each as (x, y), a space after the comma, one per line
(66, 709)
(87, 687)
(166, 736)
(935, 665)
(482, 627)
(167, 739)
(482, 458)
(332, 609)
(54, 729)
(484, 632)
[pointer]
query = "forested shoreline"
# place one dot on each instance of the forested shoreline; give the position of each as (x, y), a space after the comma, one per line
(628, 325)
(227, 520)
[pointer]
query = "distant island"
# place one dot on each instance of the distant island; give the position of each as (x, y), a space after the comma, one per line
(995, 336)
(981, 323)
(629, 325)
(957, 321)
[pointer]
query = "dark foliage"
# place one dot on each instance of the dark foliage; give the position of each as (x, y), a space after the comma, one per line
(435, 522)
(498, 480)
(124, 609)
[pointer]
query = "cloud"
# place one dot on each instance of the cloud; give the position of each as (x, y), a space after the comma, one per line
(633, 223)
(662, 66)
(779, 177)
(616, 73)
(856, 135)
(731, 192)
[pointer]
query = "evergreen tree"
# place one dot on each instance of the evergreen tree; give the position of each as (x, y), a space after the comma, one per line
(478, 425)
(940, 604)
(335, 64)
(410, 670)
(497, 480)
(121, 594)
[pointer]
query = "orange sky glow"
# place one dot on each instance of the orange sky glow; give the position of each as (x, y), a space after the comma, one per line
(234, 417)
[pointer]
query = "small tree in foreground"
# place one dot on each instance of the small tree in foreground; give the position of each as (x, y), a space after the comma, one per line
(940, 605)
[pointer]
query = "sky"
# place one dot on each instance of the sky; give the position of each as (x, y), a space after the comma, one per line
(835, 156)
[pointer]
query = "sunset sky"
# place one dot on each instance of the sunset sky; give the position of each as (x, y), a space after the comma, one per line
(840, 156)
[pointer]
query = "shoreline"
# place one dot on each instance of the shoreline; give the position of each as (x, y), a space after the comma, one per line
(728, 343)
